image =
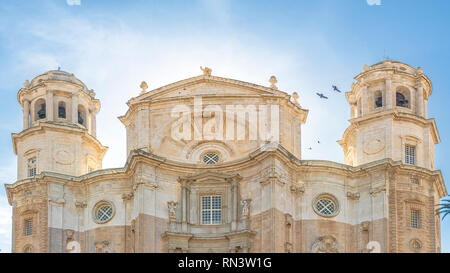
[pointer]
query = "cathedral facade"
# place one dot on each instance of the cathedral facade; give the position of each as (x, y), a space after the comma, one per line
(215, 165)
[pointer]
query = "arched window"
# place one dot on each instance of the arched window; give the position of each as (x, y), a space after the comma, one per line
(40, 111)
(62, 109)
(402, 97)
(378, 99)
(81, 115)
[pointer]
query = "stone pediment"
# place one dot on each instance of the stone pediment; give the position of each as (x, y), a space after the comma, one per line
(206, 86)
(210, 177)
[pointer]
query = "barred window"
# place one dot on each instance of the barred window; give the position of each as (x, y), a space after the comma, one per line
(32, 167)
(28, 227)
(410, 154)
(211, 210)
(415, 218)
(103, 212)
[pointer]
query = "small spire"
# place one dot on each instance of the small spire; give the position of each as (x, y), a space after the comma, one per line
(144, 87)
(273, 81)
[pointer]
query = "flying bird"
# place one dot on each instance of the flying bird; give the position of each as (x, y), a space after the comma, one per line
(309, 148)
(336, 89)
(318, 141)
(322, 96)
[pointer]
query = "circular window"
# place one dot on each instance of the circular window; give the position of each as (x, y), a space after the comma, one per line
(415, 244)
(326, 205)
(103, 212)
(211, 158)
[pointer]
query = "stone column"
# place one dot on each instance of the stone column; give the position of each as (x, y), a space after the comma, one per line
(234, 188)
(26, 114)
(94, 125)
(49, 106)
(183, 207)
(390, 101)
(88, 120)
(419, 99)
(75, 108)
(352, 111)
(365, 100)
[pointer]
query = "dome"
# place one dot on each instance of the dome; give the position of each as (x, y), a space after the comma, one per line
(57, 75)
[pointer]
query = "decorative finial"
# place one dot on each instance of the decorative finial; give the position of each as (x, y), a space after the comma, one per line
(59, 68)
(144, 87)
(206, 71)
(419, 70)
(273, 81)
(26, 84)
(295, 98)
(365, 68)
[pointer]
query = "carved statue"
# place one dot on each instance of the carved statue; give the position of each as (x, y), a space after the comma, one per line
(273, 81)
(172, 206)
(325, 244)
(245, 208)
(26, 84)
(206, 71)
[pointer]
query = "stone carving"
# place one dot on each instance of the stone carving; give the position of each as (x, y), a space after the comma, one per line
(374, 145)
(103, 247)
(273, 81)
(127, 196)
(206, 71)
(63, 157)
(245, 212)
(80, 204)
(297, 189)
(353, 195)
(295, 98)
(172, 206)
(325, 244)
(26, 84)
(69, 235)
(144, 87)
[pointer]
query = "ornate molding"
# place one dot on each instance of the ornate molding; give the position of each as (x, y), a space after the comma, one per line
(297, 189)
(377, 190)
(353, 195)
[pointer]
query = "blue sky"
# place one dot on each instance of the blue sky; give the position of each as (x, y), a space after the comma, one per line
(309, 45)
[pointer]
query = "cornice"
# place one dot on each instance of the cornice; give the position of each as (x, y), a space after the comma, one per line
(58, 126)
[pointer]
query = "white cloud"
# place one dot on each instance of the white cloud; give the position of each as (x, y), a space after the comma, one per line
(374, 2)
(73, 2)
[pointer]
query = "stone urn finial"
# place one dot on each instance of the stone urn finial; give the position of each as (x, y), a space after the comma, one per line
(273, 81)
(295, 98)
(144, 87)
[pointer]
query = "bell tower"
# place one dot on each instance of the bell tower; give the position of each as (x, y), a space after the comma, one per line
(388, 116)
(59, 127)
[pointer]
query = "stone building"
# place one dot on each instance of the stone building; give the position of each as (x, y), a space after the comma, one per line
(194, 183)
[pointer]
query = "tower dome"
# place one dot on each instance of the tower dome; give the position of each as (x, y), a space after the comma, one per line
(388, 116)
(59, 126)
